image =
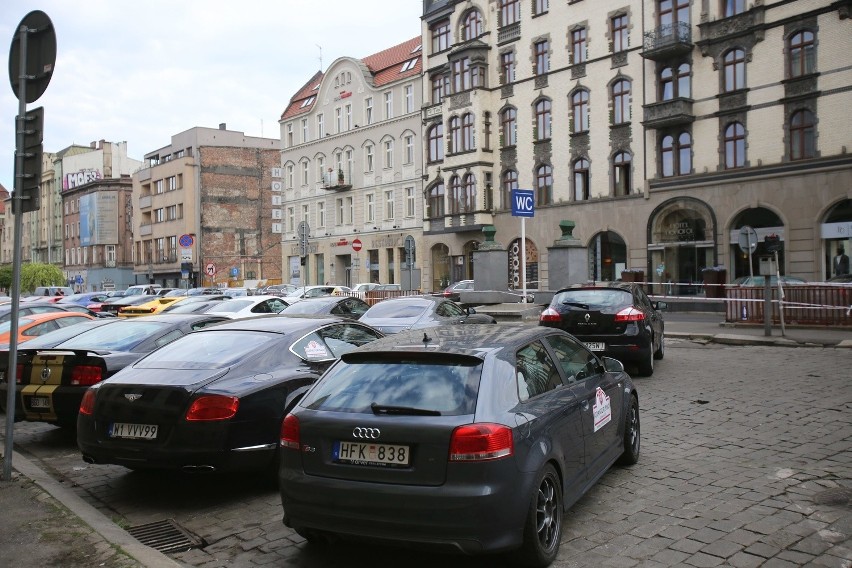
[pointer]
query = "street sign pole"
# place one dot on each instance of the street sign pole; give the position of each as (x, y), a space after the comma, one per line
(523, 206)
(524, 258)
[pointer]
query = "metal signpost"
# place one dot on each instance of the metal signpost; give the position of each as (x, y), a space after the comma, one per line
(31, 60)
(748, 244)
(410, 249)
(304, 231)
(523, 206)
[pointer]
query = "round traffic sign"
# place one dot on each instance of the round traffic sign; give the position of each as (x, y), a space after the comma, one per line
(356, 245)
(210, 269)
(747, 239)
(40, 38)
(186, 241)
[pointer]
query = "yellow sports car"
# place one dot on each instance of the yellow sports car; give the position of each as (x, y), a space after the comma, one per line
(151, 308)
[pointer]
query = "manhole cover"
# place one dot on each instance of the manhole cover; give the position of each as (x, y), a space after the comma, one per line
(165, 536)
(836, 497)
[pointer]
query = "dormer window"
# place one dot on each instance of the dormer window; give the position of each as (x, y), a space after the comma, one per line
(408, 65)
(308, 101)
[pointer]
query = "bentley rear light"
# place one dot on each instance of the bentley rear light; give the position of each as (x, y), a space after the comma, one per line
(630, 314)
(290, 434)
(19, 373)
(86, 375)
(481, 442)
(550, 315)
(87, 405)
(213, 407)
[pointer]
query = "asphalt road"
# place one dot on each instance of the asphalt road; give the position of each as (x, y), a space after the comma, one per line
(745, 462)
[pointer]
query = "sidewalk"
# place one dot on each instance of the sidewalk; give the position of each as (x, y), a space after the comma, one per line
(43, 523)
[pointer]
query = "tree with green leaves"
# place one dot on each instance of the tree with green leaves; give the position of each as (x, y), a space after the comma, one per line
(6, 277)
(35, 274)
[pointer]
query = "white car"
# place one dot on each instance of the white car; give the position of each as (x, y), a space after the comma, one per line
(317, 291)
(247, 306)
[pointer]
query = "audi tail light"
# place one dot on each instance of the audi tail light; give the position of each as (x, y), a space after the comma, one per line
(481, 442)
(550, 316)
(290, 434)
(86, 375)
(630, 314)
(213, 407)
(87, 405)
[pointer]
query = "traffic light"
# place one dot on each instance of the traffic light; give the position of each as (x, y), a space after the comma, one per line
(30, 174)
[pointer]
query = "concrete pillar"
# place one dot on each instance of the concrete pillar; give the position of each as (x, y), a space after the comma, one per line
(567, 259)
(490, 263)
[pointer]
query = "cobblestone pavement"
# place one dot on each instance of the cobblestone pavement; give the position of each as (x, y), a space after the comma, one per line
(746, 461)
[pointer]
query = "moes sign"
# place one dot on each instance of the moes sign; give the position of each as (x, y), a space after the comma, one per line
(80, 178)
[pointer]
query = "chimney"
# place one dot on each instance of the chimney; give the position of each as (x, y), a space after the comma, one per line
(222, 126)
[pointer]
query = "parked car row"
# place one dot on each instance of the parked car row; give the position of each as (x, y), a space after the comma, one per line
(356, 409)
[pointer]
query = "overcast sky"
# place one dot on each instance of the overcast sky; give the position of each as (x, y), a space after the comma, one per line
(141, 71)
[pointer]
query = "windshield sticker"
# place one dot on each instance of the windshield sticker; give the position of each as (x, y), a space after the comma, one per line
(315, 350)
(601, 409)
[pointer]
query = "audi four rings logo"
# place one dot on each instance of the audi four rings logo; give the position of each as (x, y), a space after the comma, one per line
(366, 433)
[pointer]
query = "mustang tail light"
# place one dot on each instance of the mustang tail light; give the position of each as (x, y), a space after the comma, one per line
(290, 434)
(86, 375)
(87, 405)
(213, 407)
(630, 314)
(481, 442)
(550, 315)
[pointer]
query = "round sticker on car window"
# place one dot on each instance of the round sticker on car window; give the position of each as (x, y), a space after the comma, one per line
(315, 350)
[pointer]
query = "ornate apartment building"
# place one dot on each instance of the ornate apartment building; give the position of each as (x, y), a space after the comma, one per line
(351, 171)
(202, 211)
(661, 128)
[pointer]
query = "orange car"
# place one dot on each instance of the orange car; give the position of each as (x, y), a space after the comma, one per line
(34, 325)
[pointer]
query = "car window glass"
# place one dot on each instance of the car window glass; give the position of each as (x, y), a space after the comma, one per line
(71, 320)
(339, 310)
(576, 361)
(449, 310)
(332, 341)
(123, 337)
(168, 338)
(40, 329)
(536, 371)
(276, 305)
(598, 298)
(398, 309)
(357, 307)
(448, 387)
(207, 350)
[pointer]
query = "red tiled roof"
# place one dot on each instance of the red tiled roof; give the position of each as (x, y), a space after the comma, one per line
(385, 67)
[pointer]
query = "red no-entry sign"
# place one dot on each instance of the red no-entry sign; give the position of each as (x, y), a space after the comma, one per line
(356, 245)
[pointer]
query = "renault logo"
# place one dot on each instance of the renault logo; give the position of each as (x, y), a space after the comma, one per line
(133, 397)
(45, 374)
(366, 433)
(588, 317)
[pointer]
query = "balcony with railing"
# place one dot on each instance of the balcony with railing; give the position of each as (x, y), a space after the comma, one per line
(145, 202)
(509, 33)
(339, 181)
(664, 114)
(668, 41)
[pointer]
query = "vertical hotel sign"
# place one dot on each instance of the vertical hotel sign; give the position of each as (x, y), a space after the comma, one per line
(277, 200)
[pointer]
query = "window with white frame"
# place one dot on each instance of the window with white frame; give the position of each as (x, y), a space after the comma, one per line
(290, 176)
(304, 130)
(338, 120)
(159, 215)
(350, 210)
(172, 183)
(368, 110)
(389, 205)
(368, 158)
(409, 201)
(408, 141)
(369, 208)
(409, 98)
(388, 153)
(171, 212)
(305, 214)
(350, 163)
(288, 136)
(158, 187)
(305, 167)
(348, 113)
(388, 105)
(291, 219)
(339, 206)
(320, 126)
(110, 254)
(320, 168)
(320, 213)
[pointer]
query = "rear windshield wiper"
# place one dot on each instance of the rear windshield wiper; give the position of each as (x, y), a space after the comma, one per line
(410, 410)
(576, 304)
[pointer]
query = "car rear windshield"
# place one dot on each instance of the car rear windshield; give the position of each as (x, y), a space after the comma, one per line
(595, 298)
(231, 306)
(398, 310)
(214, 350)
(449, 387)
(122, 337)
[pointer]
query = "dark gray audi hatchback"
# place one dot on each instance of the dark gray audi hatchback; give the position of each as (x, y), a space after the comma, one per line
(473, 438)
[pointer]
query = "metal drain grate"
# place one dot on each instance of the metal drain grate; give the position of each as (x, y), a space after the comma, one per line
(165, 536)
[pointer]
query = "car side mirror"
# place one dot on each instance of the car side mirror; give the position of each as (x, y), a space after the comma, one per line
(613, 365)
(660, 305)
(470, 311)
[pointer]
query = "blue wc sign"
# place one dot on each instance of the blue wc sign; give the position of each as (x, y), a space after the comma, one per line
(523, 203)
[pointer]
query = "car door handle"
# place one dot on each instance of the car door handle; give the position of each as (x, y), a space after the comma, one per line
(584, 405)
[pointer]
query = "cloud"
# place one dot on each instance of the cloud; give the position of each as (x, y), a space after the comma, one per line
(141, 72)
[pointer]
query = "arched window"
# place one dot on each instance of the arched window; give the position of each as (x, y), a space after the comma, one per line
(468, 198)
(542, 120)
(436, 200)
(734, 146)
(509, 125)
(456, 196)
(675, 83)
(544, 184)
(801, 50)
(582, 190)
(436, 143)
(467, 132)
(621, 102)
(472, 25)
(621, 173)
(733, 66)
(508, 182)
(580, 111)
(455, 134)
(676, 155)
(802, 135)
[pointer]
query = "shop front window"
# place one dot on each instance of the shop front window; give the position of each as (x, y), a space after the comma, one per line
(440, 267)
(516, 275)
(836, 232)
(607, 257)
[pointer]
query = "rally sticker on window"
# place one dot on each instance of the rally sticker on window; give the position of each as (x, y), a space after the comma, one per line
(601, 410)
(315, 350)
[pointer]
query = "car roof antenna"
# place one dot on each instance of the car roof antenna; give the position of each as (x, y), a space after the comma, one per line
(426, 338)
